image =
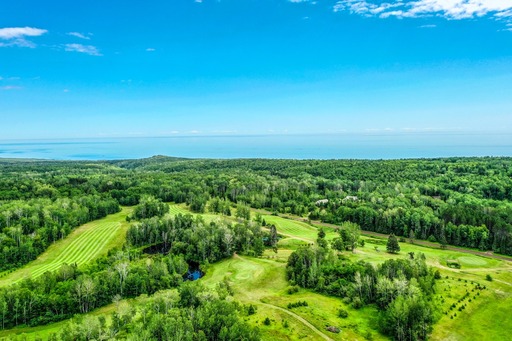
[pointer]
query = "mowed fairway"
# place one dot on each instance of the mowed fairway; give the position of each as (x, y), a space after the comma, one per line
(292, 228)
(175, 209)
(84, 244)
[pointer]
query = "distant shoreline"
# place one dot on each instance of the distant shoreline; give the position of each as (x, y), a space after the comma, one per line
(321, 147)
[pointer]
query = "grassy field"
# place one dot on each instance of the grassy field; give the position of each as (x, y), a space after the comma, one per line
(291, 228)
(84, 244)
(175, 209)
(261, 282)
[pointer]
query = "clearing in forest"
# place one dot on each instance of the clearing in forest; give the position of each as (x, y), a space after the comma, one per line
(82, 245)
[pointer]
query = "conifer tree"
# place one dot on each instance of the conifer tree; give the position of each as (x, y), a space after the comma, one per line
(392, 245)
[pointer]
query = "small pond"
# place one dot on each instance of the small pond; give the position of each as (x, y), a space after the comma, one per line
(193, 273)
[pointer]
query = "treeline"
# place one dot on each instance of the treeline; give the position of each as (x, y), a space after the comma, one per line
(28, 227)
(486, 225)
(459, 201)
(197, 240)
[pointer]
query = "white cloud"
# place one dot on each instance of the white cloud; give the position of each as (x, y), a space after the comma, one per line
(428, 26)
(79, 35)
(10, 87)
(20, 32)
(299, 1)
(449, 9)
(16, 36)
(150, 49)
(87, 49)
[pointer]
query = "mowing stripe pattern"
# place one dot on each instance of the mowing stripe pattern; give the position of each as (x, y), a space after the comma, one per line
(175, 209)
(83, 249)
(291, 227)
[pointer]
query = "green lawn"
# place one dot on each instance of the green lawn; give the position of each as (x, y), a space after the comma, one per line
(84, 244)
(296, 229)
(262, 282)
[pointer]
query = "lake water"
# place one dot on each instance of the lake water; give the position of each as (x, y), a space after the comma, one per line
(331, 146)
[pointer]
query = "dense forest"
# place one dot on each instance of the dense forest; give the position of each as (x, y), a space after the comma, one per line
(458, 201)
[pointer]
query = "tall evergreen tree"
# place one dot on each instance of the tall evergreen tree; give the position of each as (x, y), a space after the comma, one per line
(392, 245)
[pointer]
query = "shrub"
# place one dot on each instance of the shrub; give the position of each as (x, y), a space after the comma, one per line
(488, 277)
(368, 336)
(266, 321)
(342, 313)
(297, 304)
(357, 303)
(251, 310)
(292, 289)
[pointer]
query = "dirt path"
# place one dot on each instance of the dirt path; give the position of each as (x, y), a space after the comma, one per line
(503, 282)
(304, 321)
(488, 254)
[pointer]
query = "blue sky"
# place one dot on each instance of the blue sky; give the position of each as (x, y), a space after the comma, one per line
(163, 68)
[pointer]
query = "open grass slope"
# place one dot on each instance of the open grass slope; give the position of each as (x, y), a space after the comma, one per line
(84, 244)
(262, 282)
(292, 228)
(485, 314)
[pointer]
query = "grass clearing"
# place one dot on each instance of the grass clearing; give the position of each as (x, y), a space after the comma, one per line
(483, 310)
(262, 282)
(85, 243)
(175, 209)
(295, 229)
